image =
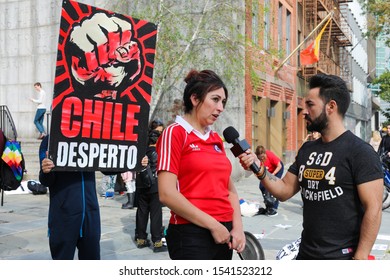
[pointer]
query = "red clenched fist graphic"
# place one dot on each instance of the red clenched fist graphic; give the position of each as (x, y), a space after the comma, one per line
(106, 51)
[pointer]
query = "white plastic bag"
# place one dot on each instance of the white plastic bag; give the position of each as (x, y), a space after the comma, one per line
(248, 209)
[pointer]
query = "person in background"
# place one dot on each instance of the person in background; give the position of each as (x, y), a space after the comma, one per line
(129, 181)
(375, 140)
(148, 198)
(41, 109)
(74, 216)
(383, 131)
(312, 136)
(275, 166)
(156, 124)
(194, 176)
(384, 146)
(339, 177)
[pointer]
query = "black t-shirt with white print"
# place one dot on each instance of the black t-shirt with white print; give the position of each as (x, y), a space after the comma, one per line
(328, 174)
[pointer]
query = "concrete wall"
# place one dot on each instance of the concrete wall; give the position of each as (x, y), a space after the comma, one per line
(28, 39)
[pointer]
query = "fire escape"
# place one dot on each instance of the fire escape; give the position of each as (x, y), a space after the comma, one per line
(333, 57)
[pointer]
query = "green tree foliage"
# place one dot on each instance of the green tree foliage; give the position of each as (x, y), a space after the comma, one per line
(206, 34)
(378, 22)
(384, 90)
(384, 85)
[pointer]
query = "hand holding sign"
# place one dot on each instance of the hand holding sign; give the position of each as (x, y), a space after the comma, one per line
(104, 54)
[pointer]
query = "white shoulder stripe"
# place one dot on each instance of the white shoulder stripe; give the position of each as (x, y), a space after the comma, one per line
(165, 150)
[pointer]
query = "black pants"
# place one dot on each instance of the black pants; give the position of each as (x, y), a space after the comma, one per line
(149, 204)
(64, 236)
(269, 200)
(191, 242)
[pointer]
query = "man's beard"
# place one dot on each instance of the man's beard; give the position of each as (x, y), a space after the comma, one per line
(318, 124)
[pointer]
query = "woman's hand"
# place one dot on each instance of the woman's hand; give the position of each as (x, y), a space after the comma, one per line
(238, 240)
(220, 233)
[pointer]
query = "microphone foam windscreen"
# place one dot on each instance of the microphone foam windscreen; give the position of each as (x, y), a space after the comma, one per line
(230, 134)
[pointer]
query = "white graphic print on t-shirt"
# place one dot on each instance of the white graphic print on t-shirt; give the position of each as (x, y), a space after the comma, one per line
(317, 180)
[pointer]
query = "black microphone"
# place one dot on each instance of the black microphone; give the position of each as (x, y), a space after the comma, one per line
(231, 136)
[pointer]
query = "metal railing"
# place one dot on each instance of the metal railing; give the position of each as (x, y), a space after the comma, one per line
(7, 124)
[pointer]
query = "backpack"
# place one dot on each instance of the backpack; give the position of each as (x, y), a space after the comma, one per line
(36, 187)
(12, 165)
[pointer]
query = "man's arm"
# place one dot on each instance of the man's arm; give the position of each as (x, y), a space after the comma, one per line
(39, 100)
(370, 195)
(282, 189)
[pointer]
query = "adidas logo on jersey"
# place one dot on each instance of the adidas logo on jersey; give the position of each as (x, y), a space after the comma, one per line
(194, 147)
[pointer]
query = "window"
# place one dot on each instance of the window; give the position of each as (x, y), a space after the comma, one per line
(288, 33)
(280, 26)
(267, 10)
(255, 22)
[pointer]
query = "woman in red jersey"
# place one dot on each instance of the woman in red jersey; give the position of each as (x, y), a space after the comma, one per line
(194, 176)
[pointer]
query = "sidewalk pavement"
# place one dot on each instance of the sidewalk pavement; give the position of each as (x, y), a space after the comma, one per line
(23, 227)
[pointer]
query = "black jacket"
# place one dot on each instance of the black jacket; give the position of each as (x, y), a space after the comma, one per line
(152, 156)
(384, 146)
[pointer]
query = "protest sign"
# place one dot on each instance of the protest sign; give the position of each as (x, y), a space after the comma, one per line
(102, 90)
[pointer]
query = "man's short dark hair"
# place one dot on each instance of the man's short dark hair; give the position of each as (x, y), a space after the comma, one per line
(332, 88)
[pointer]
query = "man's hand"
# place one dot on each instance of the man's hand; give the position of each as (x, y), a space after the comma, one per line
(47, 165)
(248, 158)
(107, 47)
(145, 161)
